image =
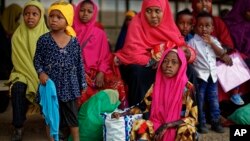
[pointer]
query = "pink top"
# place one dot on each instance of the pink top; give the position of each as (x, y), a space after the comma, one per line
(167, 96)
(141, 37)
(93, 40)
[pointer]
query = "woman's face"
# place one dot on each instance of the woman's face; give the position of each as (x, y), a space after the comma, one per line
(31, 16)
(154, 15)
(170, 64)
(204, 5)
(86, 12)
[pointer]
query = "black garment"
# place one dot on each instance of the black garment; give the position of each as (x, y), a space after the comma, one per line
(5, 55)
(68, 114)
(19, 104)
(192, 77)
(139, 79)
(4, 101)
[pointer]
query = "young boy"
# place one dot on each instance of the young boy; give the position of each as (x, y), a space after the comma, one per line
(207, 48)
(184, 22)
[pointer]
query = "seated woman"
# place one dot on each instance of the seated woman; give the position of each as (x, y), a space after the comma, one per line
(173, 110)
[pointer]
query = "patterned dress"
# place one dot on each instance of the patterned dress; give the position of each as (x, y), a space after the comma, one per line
(63, 65)
(189, 114)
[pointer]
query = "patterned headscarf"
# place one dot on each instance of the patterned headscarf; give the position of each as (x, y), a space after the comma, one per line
(68, 12)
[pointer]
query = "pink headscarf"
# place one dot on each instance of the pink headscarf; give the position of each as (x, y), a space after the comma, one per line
(93, 40)
(141, 37)
(167, 96)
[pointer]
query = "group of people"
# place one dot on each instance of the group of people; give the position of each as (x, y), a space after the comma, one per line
(159, 59)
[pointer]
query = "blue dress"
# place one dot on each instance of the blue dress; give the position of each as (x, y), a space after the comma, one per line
(63, 65)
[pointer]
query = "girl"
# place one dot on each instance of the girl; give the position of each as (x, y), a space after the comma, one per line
(173, 110)
(58, 57)
(23, 78)
(96, 53)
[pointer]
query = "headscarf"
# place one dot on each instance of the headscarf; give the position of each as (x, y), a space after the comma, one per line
(167, 96)
(142, 37)
(121, 38)
(23, 50)
(220, 29)
(93, 41)
(68, 12)
(9, 18)
(239, 27)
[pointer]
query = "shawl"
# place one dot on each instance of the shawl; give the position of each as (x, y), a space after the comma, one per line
(167, 96)
(50, 107)
(141, 37)
(93, 40)
(220, 29)
(239, 27)
(23, 51)
(10, 17)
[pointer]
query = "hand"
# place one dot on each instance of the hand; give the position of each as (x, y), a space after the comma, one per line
(187, 52)
(99, 79)
(117, 61)
(227, 59)
(116, 115)
(43, 77)
(207, 38)
(160, 132)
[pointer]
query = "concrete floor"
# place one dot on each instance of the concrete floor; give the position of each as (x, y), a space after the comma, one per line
(34, 129)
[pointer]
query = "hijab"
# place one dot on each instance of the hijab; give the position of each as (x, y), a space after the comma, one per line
(93, 41)
(167, 95)
(141, 37)
(23, 50)
(239, 27)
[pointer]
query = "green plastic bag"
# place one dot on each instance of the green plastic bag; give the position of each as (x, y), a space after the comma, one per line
(241, 115)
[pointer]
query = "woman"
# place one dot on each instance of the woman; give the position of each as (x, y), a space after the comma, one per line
(238, 22)
(150, 30)
(96, 53)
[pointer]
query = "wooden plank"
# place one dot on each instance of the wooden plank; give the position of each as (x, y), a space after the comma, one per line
(3, 86)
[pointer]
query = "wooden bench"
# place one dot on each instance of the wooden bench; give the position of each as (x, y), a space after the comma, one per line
(3, 86)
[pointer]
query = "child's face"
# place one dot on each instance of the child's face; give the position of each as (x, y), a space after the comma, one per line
(204, 26)
(86, 12)
(154, 15)
(247, 15)
(204, 5)
(185, 24)
(31, 16)
(56, 20)
(170, 64)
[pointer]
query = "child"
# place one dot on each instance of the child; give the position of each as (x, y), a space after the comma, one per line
(173, 111)
(58, 57)
(207, 48)
(23, 78)
(96, 53)
(184, 22)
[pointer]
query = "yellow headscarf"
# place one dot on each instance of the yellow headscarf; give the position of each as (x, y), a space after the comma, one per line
(9, 18)
(68, 12)
(130, 13)
(23, 50)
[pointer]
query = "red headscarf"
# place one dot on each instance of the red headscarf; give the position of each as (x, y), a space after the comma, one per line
(93, 40)
(141, 37)
(167, 96)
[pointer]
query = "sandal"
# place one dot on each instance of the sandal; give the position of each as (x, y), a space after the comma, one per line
(236, 99)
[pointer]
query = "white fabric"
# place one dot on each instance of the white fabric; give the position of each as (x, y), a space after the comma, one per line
(232, 76)
(118, 129)
(205, 62)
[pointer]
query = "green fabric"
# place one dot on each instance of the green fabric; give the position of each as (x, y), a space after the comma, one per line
(90, 119)
(23, 50)
(10, 17)
(241, 115)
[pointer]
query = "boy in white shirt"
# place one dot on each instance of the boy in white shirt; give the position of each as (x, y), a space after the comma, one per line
(207, 48)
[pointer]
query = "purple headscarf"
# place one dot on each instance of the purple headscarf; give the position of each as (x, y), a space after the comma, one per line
(239, 27)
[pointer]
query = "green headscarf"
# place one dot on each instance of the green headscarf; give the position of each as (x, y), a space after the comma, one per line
(23, 50)
(9, 18)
